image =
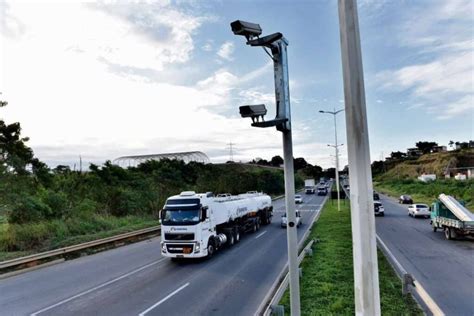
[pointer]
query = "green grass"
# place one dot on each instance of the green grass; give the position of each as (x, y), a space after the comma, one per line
(20, 240)
(327, 286)
(428, 192)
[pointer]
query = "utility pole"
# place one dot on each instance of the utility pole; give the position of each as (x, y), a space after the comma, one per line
(366, 279)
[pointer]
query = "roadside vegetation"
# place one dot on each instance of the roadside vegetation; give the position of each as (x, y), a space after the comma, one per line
(63, 207)
(327, 286)
(422, 192)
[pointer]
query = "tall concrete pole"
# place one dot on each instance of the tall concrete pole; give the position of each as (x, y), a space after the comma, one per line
(366, 280)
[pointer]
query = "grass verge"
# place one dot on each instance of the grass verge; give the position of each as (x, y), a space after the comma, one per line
(327, 286)
(26, 239)
(428, 192)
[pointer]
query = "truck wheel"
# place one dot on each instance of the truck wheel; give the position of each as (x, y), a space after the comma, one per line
(231, 239)
(435, 228)
(210, 248)
(447, 233)
(258, 223)
(236, 235)
(254, 227)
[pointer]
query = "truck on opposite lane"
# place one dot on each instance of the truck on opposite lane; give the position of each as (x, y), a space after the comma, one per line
(195, 225)
(451, 216)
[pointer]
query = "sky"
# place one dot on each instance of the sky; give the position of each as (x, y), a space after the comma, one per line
(112, 78)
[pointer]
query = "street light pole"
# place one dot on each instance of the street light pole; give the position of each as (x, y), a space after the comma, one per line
(334, 113)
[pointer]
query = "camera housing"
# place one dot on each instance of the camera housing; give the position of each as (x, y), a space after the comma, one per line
(247, 29)
(255, 112)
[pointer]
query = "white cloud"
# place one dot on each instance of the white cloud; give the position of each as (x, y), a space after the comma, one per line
(443, 82)
(70, 103)
(226, 51)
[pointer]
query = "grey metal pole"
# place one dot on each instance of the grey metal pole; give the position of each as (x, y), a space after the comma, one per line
(366, 280)
(282, 97)
(337, 163)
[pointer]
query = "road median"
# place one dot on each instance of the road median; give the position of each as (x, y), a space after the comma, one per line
(327, 285)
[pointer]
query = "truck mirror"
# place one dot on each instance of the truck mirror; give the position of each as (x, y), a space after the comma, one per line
(204, 213)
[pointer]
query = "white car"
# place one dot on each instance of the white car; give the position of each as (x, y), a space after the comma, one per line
(378, 209)
(298, 199)
(419, 210)
(284, 220)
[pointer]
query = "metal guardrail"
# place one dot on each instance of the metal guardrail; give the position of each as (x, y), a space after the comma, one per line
(61, 251)
(278, 288)
(273, 306)
(408, 281)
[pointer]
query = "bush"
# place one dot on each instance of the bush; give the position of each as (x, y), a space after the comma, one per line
(29, 209)
(57, 201)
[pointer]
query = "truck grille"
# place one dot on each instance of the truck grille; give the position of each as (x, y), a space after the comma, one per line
(187, 236)
(180, 248)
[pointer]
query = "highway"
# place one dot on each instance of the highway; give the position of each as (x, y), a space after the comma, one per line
(445, 268)
(137, 280)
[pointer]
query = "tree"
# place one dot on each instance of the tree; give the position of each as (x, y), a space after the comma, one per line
(276, 161)
(426, 147)
(398, 155)
(299, 163)
(451, 144)
(314, 172)
(14, 154)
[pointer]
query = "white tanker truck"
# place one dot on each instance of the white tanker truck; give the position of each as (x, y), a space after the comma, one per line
(196, 225)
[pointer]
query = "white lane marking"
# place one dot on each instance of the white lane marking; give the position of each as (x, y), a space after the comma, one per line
(97, 287)
(163, 300)
(260, 235)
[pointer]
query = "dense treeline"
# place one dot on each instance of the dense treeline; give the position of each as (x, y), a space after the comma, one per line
(43, 211)
(112, 190)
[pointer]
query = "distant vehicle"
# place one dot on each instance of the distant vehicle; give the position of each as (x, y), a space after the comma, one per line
(298, 199)
(379, 209)
(419, 210)
(322, 191)
(376, 196)
(196, 225)
(284, 220)
(451, 216)
(309, 186)
(405, 199)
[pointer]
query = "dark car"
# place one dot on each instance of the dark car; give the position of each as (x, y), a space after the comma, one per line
(376, 196)
(405, 199)
(322, 191)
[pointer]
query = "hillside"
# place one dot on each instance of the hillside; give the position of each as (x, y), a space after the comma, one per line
(402, 177)
(435, 163)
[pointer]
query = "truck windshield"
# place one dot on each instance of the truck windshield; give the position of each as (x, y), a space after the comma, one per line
(180, 216)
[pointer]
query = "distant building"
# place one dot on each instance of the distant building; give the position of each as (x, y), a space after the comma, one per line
(471, 144)
(439, 149)
(427, 177)
(414, 152)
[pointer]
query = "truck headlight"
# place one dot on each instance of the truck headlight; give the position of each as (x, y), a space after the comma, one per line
(197, 248)
(163, 247)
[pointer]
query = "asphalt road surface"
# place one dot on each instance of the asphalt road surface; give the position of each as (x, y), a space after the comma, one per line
(445, 268)
(137, 280)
